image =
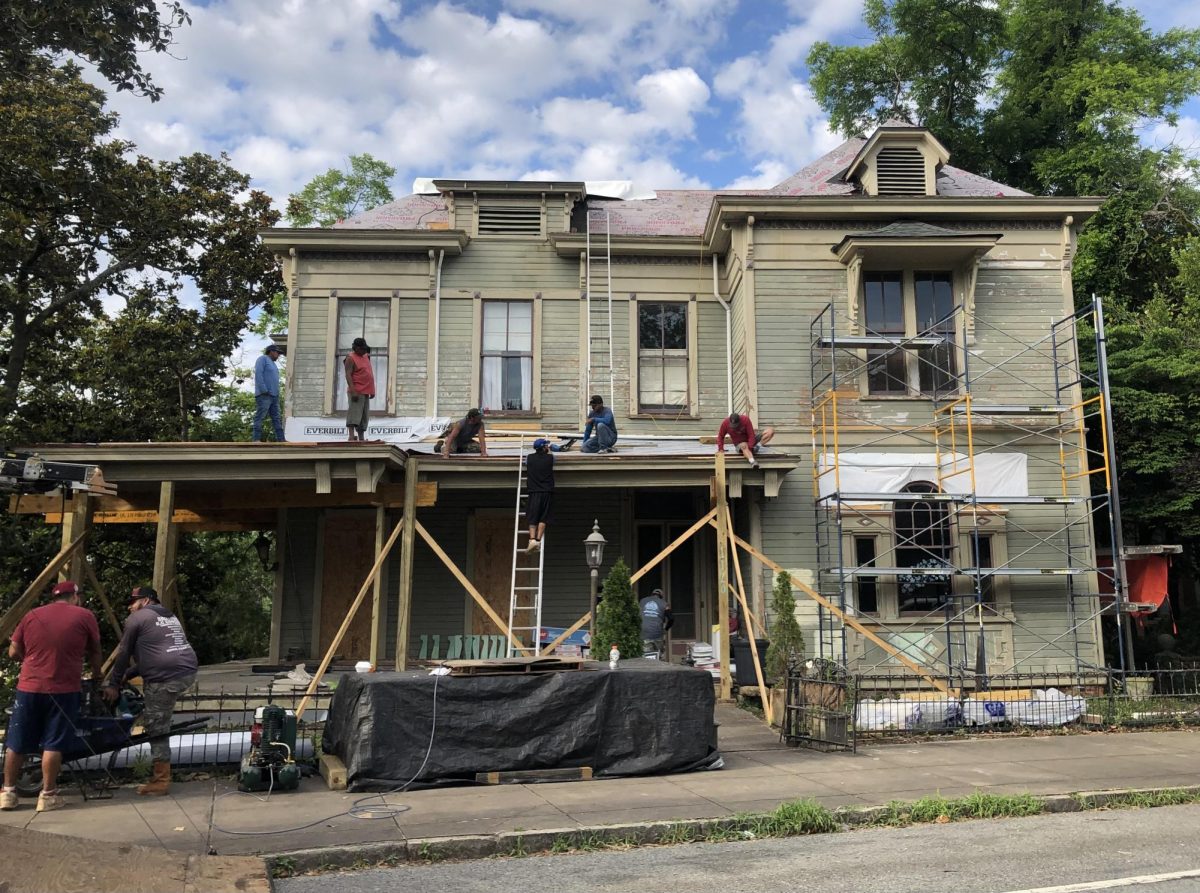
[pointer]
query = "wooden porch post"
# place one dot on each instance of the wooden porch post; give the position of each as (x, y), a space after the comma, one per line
(281, 545)
(407, 544)
(165, 541)
(377, 637)
(75, 523)
(723, 576)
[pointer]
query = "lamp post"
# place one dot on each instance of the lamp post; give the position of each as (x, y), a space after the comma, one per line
(593, 547)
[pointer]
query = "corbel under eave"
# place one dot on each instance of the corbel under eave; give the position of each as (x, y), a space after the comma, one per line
(853, 288)
(971, 277)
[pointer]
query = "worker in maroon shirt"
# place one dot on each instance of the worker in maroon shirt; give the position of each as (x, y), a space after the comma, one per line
(740, 431)
(51, 643)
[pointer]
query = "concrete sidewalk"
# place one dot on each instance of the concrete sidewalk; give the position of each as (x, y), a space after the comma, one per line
(759, 774)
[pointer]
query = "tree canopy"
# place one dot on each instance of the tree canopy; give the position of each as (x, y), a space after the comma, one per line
(340, 193)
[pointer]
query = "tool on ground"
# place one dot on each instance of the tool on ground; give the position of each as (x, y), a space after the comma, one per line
(269, 765)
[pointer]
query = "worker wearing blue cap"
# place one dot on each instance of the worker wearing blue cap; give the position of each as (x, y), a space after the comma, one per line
(539, 471)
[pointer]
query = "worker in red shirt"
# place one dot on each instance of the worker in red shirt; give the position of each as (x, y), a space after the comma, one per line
(51, 643)
(740, 431)
(360, 388)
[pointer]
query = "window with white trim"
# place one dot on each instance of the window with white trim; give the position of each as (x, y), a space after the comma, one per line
(369, 320)
(910, 304)
(662, 356)
(506, 366)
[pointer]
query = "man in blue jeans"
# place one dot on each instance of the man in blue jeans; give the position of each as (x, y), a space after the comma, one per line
(266, 393)
(600, 435)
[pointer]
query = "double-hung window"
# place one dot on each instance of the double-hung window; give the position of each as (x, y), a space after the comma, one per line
(367, 320)
(900, 305)
(662, 356)
(507, 361)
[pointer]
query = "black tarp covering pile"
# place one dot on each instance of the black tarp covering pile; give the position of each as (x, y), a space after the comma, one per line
(645, 718)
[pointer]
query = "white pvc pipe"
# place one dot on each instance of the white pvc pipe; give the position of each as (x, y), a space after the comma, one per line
(437, 326)
(728, 337)
(192, 748)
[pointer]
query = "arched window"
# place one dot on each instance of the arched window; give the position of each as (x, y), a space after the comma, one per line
(923, 540)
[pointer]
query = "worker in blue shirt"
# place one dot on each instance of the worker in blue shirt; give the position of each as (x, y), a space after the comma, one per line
(266, 392)
(600, 435)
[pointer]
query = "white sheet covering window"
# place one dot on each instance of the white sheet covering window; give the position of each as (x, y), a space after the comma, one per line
(996, 474)
(507, 360)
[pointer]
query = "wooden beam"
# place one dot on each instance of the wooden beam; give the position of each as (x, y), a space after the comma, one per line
(245, 496)
(680, 540)
(471, 590)
(772, 482)
(94, 582)
(78, 521)
(850, 621)
(11, 617)
(741, 596)
(722, 576)
(354, 606)
(377, 637)
(281, 552)
(250, 520)
(735, 484)
(407, 545)
(164, 538)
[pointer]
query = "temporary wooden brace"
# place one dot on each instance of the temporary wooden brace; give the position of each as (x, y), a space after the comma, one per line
(722, 575)
(741, 596)
(377, 594)
(77, 521)
(407, 545)
(469, 586)
(13, 615)
(637, 575)
(165, 540)
(851, 622)
(94, 582)
(354, 606)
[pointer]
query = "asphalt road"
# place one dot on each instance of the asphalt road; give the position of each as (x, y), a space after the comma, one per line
(1150, 851)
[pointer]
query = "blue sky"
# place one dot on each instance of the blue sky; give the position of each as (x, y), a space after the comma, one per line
(669, 93)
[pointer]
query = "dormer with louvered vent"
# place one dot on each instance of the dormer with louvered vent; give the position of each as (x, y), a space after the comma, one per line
(898, 159)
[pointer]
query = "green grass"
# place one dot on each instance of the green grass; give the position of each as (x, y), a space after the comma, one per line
(1141, 799)
(978, 805)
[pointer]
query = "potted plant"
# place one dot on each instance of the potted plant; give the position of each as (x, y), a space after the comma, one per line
(787, 642)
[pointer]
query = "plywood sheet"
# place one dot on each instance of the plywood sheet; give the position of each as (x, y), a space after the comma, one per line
(349, 554)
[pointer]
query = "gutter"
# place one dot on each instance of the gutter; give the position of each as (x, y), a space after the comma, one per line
(728, 337)
(437, 325)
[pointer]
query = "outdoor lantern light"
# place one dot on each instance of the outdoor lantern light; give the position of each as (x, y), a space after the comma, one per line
(594, 547)
(262, 545)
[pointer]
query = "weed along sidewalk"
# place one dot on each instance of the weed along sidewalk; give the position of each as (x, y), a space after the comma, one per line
(765, 789)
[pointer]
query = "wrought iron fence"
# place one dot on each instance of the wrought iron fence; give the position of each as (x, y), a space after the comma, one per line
(818, 710)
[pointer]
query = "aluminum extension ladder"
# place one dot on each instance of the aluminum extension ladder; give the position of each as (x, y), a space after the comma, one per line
(598, 291)
(525, 600)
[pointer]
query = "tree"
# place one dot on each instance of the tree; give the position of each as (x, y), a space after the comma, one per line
(109, 33)
(787, 639)
(618, 619)
(338, 194)
(81, 218)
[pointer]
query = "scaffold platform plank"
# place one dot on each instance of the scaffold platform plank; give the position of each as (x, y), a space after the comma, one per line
(954, 497)
(957, 572)
(881, 341)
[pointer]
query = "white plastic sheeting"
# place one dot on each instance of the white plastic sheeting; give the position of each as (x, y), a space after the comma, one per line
(193, 749)
(1043, 708)
(996, 474)
(626, 190)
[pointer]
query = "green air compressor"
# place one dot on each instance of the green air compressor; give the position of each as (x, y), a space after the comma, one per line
(270, 764)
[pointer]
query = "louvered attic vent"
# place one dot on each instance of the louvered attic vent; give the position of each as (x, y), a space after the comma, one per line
(900, 170)
(509, 220)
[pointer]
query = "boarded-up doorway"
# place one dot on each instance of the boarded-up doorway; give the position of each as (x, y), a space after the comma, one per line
(492, 569)
(349, 553)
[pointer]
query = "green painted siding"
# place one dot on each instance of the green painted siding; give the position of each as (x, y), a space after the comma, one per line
(412, 356)
(562, 403)
(496, 266)
(454, 366)
(307, 375)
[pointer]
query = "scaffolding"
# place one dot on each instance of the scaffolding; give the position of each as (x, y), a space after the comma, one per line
(1001, 475)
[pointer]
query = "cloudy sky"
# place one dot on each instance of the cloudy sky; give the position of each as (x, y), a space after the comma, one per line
(669, 93)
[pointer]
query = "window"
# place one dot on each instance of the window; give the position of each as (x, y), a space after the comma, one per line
(367, 320)
(507, 367)
(866, 588)
(983, 556)
(923, 545)
(662, 357)
(899, 305)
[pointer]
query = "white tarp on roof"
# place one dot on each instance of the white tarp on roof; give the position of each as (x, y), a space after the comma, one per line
(626, 190)
(996, 474)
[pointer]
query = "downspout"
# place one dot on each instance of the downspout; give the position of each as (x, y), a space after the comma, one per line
(728, 336)
(437, 325)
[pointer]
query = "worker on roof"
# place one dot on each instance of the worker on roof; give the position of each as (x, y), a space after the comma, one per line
(462, 437)
(266, 393)
(600, 434)
(740, 431)
(360, 388)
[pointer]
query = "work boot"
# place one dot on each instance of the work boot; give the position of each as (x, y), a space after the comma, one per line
(160, 780)
(48, 800)
(9, 799)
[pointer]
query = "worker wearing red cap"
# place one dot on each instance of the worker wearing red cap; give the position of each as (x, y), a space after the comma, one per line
(51, 643)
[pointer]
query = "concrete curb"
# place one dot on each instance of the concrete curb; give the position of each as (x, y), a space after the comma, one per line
(428, 850)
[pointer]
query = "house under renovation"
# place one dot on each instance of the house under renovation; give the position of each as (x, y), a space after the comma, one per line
(939, 471)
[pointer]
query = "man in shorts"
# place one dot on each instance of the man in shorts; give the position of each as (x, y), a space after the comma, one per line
(467, 436)
(740, 431)
(51, 643)
(360, 388)
(539, 473)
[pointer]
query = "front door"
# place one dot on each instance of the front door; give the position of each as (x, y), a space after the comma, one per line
(349, 553)
(675, 575)
(491, 570)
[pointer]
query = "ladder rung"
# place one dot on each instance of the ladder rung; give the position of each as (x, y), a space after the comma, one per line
(526, 588)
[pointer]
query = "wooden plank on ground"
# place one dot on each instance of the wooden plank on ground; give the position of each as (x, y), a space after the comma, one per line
(333, 770)
(508, 666)
(532, 776)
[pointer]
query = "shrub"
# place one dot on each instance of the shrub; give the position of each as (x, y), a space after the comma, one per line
(618, 618)
(787, 640)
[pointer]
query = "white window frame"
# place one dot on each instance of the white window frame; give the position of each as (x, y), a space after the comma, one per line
(690, 408)
(478, 355)
(336, 400)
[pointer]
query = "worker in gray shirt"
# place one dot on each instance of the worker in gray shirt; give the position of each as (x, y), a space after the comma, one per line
(155, 642)
(656, 620)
